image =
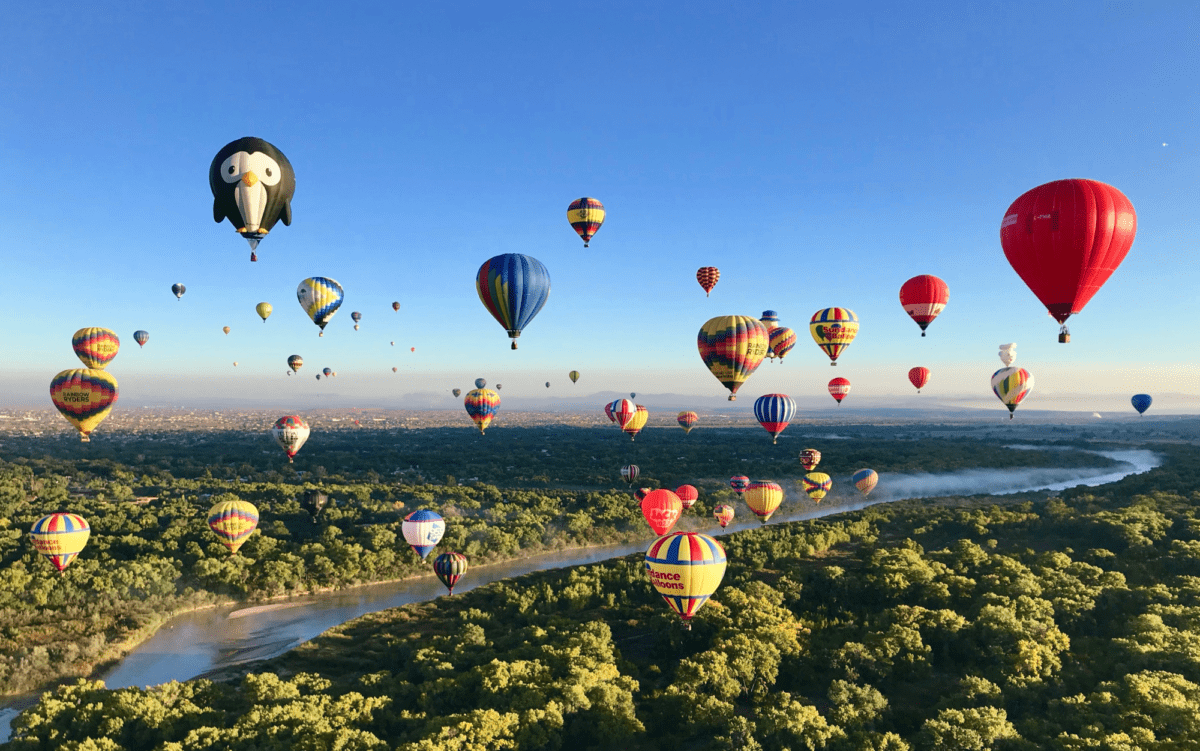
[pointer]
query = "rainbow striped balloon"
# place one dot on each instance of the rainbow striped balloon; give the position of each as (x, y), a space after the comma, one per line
(450, 567)
(782, 340)
(723, 513)
(685, 568)
(482, 405)
(513, 288)
(60, 538)
(95, 347)
(732, 348)
(85, 397)
(1011, 386)
(865, 480)
(687, 420)
(833, 329)
(586, 215)
(233, 522)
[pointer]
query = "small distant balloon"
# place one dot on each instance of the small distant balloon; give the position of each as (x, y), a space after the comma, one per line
(226, 330)
(763, 497)
(1011, 386)
(456, 392)
(320, 297)
(60, 538)
(1141, 402)
(816, 484)
(264, 310)
(833, 329)
(395, 306)
(919, 377)
(586, 215)
(573, 375)
(708, 276)
(178, 290)
(141, 337)
(838, 388)
(809, 459)
(450, 567)
(295, 362)
(480, 383)
(290, 432)
(233, 522)
(865, 480)
(723, 513)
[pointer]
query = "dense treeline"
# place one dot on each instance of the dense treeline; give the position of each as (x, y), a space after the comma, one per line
(1067, 623)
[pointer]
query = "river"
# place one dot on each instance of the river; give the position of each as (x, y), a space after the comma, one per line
(195, 643)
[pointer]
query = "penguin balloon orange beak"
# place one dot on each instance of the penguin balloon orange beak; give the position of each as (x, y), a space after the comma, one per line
(249, 178)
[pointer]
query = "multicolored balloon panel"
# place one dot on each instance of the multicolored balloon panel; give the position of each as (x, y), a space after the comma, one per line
(449, 568)
(732, 348)
(482, 406)
(817, 485)
(513, 288)
(1011, 386)
(233, 522)
(739, 483)
(586, 215)
(60, 538)
(685, 568)
(782, 341)
(687, 421)
(320, 297)
(708, 276)
(865, 480)
(85, 397)
(833, 329)
(290, 432)
(95, 347)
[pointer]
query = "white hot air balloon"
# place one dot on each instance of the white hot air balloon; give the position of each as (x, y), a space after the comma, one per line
(290, 431)
(1008, 354)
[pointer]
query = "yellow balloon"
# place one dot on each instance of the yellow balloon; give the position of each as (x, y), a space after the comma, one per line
(637, 422)
(84, 396)
(264, 310)
(763, 497)
(233, 522)
(60, 537)
(685, 568)
(816, 484)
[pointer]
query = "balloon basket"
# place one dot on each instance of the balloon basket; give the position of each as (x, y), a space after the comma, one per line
(1064, 338)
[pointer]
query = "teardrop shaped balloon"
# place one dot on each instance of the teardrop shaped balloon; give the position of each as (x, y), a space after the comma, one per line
(816, 484)
(291, 432)
(233, 522)
(141, 337)
(1065, 239)
(635, 424)
(833, 329)
(924, 297)
(356, 316)
(450, 567)
(482, 406)
(809, 459)
(252, 183)
(84, 396)
(708, 276)
(739, 483)
(629, 473)
(60, 538)
(586, 215)
(732, 348)
(774, 412)
(327, 371)
(513, 288)
(1011, 386)
(763, 497)
(226, 330)
(865, 480)
(661, 509)
(838, 388)
(320, 297)
(1141, 402)
(919, 377)
(395, 306)
(480, 383)
(686, 568)
(781, 341)
(573, 375)
(456, 392)
(723, 513)
(295, 362)
(687, 421)
(178, 290)
(423, 530)
(264, 310)
(95, 347)
(688, 495)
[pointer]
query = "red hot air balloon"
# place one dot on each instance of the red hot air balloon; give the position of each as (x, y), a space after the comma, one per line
(688, 494)
(838, 388)
(919, 377)
(661, 509)
(708, 276)
(1065, 239)
(923, 298)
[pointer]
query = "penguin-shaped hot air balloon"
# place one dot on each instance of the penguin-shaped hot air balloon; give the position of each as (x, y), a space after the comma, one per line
(252, 185)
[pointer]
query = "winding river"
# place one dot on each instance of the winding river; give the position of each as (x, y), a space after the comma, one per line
(196, 643)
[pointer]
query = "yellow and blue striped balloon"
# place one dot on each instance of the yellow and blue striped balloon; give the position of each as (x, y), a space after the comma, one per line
(586, 215)
(320, 297)
(60, 538)
(833, 329)
(513, 288)
(685, 568)
(233, 522)
(817, 485)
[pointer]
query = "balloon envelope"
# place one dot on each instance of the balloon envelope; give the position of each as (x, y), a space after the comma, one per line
(1008, 354)
(685, 568)
(290, 432)
(586, 215)
(774, 412)
(687, 420)
(423, 530)
(919, 377)
(782, 341)
(84, 396)
(708, 276)
(233, 522)
(320, 297)
(252, 183)
(178, 290)
(739, 483)
(816, 484)
(732, 348)
(629, 473)
(449, 568)
(833, 329)
(688, 495)
(480, 383)
(637, 422)
(95, 347)
(482, 406)
(60, 538)
(395, 306)
(141, 337)
(1011, 386)
(809, 459)
(1141, 402)
(513, 288)
(763, 497)
(661, 509)
(924, 297)
(456, 392)
(865, 480)
(264, 310)
(295, 362)
(723, 513)
(573, 375)
(838, 388)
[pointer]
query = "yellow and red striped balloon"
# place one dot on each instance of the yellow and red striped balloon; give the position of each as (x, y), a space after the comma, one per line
(763, 497)
(586, 215)
(60, 538)
(233, 522)
(685, 568)
(95, 347)
(84, 396)
(732, 348)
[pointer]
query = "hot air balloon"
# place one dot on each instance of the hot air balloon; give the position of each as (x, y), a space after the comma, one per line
(84, 396)
(623, 411)
(95, 347)
(252, 184)
(637, 422)
(723, 513)
(356, 317)
(456, 392)
(295, 362)
(833, 329)
(547, 384)
(608, 411)
(781, 341)
(482, 405)
(770, 319)
(838, 388)
(708, 277)
(318, 376)
(865, 480)
(226, 330)
(314, 501)
(423, 530)
(264, 310)
(449, 568)
(233, 522)
(774, 412)
(178, 290)
(328, 372)
(60, 538)
(816, 484)
(923, 298)
(641, 493)
(1011, 386)
(1141, 402)
(320, 297)
(688, 495)
(809, 459)
(513, 288)
(629, 473)
(919, 377)
(763, 497)
(480, 383)
(739, 483)
(1065, 239)
(687, 420)
(685, 568)
(661, 509)
(632, 395)
(141, 337)
(1008, 354)
(573, 375)
(586, 215)
(732, 348)
(396, 306)
(290, 431)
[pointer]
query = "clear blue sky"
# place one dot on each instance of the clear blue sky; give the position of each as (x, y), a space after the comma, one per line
(818, 155)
